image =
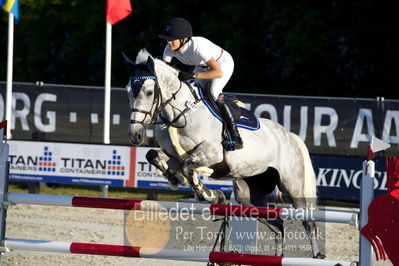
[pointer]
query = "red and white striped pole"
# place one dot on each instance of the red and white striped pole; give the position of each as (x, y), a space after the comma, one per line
(167, 254)
(192, 208)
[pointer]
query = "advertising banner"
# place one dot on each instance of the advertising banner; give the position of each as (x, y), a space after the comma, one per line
(69, 163)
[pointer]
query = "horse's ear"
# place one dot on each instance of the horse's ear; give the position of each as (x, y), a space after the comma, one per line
(128, 62)
(151, 65)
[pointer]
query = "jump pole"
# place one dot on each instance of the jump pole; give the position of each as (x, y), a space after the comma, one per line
(192, 208)
(166, 254)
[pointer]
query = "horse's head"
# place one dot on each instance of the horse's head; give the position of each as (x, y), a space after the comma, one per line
(145, 95)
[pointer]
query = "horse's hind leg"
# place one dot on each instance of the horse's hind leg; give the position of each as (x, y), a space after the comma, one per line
(300, 201)
(310, 226)
(300, 184)
(253, 191)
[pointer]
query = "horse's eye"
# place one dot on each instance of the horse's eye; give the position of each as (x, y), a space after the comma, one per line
(149, 93)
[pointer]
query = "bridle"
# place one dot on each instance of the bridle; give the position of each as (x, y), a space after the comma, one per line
(158, 104)
(139, 80)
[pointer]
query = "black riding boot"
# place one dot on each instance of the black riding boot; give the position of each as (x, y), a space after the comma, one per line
(231, 125)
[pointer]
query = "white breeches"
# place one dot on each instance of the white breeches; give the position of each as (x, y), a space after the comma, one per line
(226, 63)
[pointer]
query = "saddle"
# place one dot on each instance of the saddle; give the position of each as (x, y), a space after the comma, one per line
(242, 117)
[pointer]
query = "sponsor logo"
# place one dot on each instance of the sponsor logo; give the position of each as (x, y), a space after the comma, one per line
(348, 178)
(46, 163)
(114, 166)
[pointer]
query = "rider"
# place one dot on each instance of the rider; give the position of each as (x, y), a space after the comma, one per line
(211, 63)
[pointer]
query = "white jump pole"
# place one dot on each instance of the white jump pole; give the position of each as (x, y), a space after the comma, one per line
(366, 197)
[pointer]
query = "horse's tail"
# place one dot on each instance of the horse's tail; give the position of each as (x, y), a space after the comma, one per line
(309, 190)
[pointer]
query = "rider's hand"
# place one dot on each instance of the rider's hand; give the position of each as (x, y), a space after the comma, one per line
(186, 75)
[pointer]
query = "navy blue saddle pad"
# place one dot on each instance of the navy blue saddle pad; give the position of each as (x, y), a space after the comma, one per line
(243, 117)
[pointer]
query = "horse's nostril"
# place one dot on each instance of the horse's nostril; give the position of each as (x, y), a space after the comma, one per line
(137, 138)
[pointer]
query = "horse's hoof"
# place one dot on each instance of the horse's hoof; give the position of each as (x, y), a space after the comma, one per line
(172, 186)
(171, 178)
(221, 198)
(320, 256)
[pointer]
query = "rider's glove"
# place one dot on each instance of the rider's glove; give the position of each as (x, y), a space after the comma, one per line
(186, 75)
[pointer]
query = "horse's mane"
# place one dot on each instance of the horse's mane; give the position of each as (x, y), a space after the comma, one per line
(163, 70)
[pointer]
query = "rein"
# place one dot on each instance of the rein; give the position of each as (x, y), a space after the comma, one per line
(182, 113)
(158, 105)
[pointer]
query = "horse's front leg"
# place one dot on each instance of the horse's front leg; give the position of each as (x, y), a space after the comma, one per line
(169, 167)
(202, 156)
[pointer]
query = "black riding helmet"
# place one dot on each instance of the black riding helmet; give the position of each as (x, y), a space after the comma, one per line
(176, 28)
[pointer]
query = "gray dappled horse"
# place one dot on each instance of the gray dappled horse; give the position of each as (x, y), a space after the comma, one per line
(190, 141)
